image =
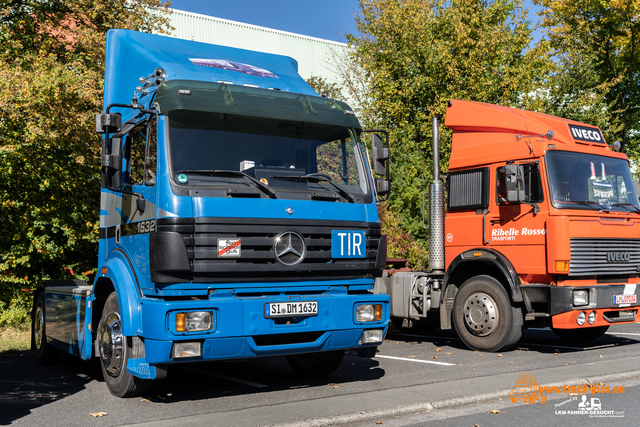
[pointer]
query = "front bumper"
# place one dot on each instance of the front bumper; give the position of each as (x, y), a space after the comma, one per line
(607, 312)
(241, 329)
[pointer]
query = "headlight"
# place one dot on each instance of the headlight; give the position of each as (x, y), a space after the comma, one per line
(580, 297)
(193, 321)
(581, 318)
(592, 318)
(369, 313)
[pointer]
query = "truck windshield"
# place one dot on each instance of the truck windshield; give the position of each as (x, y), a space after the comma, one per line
(294, 159)
(586, 181)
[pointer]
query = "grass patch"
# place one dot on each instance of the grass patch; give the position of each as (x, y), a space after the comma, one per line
(15, 339)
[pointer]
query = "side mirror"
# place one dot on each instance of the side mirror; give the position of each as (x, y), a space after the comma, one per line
(112, 164)
(380, 154)
(513, 174)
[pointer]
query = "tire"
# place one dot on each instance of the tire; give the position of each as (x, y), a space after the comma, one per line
(45, 353)
(316, 364)
(586, 334)
(484, 316)
(114, 351)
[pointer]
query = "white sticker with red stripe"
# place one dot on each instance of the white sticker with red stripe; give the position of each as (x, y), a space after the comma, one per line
(229, 248)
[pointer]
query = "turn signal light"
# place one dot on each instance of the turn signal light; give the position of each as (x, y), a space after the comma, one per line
(562, 266)
(181, 322)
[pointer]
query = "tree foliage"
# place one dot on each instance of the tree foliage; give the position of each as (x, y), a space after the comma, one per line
(596, 52)
(51, 77)
(416, 55)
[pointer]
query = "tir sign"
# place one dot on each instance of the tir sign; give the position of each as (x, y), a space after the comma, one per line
(348, 244)
(586, 134)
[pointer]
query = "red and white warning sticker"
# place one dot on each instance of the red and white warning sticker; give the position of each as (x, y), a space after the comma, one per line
(228, 248)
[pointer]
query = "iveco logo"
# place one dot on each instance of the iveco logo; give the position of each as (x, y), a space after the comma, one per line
(290, 248)
(618, 257)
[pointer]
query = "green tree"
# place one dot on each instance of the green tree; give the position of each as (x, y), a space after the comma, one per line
(416, 55)
(595, 47)
(51, 75)
(320, 85)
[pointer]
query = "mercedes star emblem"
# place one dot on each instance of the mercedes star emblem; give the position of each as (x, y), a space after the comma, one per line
(290, 248)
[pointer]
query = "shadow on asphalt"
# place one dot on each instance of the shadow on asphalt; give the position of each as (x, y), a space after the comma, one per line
(201, 381)
(537, 340)
(26, 385)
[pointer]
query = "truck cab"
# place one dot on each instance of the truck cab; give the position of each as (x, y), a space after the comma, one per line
(238, 219)
(540, 227)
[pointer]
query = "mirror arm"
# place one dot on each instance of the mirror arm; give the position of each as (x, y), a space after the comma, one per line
(141, 202)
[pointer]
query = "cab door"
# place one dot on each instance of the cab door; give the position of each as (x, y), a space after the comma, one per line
(140, 157)
(516, 225)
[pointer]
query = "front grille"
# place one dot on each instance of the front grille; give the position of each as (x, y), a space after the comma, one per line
(599, 257)
(257, 261)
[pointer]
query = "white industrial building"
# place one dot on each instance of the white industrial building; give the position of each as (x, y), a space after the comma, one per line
(316, 57)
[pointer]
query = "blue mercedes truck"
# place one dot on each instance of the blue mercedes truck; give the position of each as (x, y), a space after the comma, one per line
(237, 219)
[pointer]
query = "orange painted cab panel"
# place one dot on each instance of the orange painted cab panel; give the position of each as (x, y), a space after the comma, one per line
(570, 240)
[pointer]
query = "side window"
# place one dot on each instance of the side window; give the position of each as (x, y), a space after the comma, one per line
(532, 185)
(150, 161)
(134, 152)
(141, 154)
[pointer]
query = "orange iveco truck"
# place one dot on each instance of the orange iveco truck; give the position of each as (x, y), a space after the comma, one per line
(542, 228)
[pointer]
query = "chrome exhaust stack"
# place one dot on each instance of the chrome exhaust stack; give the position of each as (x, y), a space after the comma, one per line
(436, 207)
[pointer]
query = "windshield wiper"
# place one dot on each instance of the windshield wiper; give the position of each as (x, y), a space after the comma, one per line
(626, 205)
(312, 178)
(236, 174)
(587, 202)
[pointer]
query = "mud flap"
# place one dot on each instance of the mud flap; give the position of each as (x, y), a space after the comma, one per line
(447, 306)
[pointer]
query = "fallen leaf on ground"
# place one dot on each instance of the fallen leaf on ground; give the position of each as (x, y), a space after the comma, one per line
(480, 355)
(98, 414)
(494, 411)
(336, 386)
(448, 353)
(499, 355)
(438, 349)
(435, 357)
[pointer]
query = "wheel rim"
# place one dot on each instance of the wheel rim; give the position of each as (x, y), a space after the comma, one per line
(481, 314)
(39, 328)
(111, 343)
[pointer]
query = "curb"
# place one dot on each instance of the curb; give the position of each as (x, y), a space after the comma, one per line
(444, 403)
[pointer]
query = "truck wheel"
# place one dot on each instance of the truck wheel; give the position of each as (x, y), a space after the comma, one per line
(316, 364)
(484, 316)
(115, 350)
(586, 334)
(45, 353)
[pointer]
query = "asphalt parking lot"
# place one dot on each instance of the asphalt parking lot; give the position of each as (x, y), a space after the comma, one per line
(411, 371)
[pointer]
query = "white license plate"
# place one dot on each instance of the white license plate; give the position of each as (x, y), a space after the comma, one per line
(291, 309)
(624, 299)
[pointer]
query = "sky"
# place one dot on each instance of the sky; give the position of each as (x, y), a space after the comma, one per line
(326, 19)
